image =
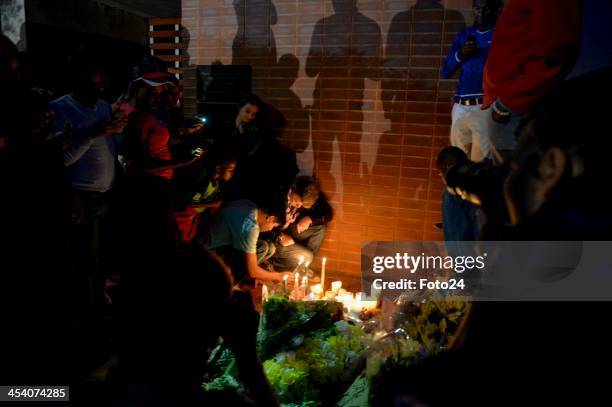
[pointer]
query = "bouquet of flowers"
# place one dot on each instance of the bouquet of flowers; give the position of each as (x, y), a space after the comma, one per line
(311, 354)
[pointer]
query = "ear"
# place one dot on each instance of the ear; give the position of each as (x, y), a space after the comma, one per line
(552, 167)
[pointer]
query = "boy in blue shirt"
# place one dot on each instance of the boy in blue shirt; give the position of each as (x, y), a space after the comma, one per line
(470, 126)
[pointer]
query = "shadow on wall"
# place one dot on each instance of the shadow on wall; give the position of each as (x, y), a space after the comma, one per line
(412, 95)
(345, 50)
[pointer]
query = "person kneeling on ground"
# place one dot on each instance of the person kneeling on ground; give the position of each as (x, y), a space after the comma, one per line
(308, 213)
(201, 200)
(234, 234)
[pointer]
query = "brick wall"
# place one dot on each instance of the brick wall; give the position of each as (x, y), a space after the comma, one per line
(366, 109)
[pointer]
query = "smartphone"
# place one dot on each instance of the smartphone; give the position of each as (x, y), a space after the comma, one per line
(201, 119)
(196, 152)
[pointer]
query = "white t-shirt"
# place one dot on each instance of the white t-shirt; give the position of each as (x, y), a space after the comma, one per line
(90, 161)
(236, 225)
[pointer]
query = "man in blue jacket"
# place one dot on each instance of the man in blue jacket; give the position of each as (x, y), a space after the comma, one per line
(469, 53)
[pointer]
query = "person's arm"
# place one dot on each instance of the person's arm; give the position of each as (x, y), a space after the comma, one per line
(160, 165)
(206, 205)
(146, 163)
(78, 144)
(77, 148)
(82, 142)
(454, 59)
(259, 273)
(557, 28)
(241, 338)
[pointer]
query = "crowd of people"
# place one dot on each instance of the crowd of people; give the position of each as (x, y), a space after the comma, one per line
(117, 202)
(98, 190)
(528, 151)
(524, 153)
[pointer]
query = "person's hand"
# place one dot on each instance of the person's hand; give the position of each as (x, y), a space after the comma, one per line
(215, 204)
(281, 276)
(303, 224)
(290, 217)
(113, 126)
(468, 49)
(196, 128)
(286, 240)
(193, 160)
(500, 114)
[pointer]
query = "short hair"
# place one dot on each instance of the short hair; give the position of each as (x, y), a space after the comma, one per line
(308, 189)
(221, 157)
(449, 157)
(273, 205)
(251, 99)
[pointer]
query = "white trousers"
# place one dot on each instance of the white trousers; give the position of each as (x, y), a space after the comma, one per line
(471, 131)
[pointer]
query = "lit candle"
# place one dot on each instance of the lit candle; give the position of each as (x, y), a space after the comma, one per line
(336, 286)
(346, 300)
(285, 284)
(323, 261)
(304, 284)
(264, 293)
(297, 281)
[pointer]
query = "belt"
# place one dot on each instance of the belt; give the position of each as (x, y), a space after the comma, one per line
(469, 101)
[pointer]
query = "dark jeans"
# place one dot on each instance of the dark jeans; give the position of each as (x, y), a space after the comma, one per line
(458, 218)
(306, 245)
(91, 243)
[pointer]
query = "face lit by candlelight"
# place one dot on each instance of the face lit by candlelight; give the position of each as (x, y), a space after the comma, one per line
(248, 113)
(225, 172)
(295, 200)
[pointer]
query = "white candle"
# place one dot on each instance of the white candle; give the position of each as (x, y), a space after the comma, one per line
(264, 293)
(297, 280)
(285, 279)
(323, 261)
(336, 286)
